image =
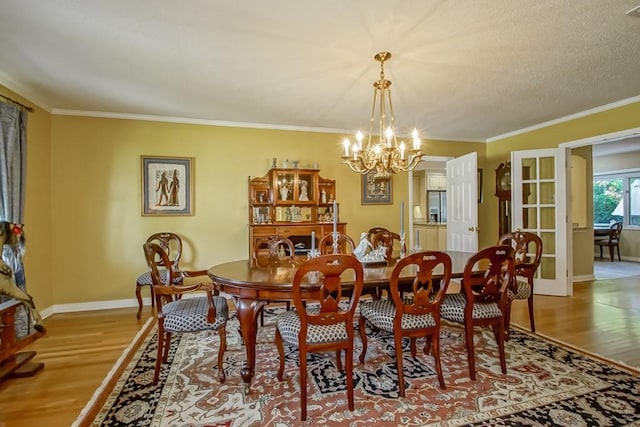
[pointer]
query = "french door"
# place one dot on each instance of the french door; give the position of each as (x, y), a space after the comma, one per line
(539, 196)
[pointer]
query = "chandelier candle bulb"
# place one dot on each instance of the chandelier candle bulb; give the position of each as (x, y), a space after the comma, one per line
(416, 139)
(346, 147)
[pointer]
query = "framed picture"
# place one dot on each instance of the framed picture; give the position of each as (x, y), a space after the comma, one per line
(376, 191)
(167, 185)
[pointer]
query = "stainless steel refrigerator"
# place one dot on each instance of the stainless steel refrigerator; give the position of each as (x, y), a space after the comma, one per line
(437, 206)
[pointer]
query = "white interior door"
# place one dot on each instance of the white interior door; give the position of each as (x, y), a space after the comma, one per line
(462, 203)
(539, 198)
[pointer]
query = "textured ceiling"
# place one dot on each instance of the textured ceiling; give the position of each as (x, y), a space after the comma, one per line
(465, 69)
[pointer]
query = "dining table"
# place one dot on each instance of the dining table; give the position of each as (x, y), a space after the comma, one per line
(253, 286)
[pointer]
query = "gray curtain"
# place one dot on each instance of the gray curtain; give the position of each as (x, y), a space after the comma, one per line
(13, 158)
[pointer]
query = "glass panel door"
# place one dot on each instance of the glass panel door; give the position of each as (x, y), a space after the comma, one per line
(539, 202)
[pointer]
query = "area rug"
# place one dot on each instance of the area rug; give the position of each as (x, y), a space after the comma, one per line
(547, 384)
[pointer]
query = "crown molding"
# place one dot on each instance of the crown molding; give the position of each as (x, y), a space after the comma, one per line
(570, 117)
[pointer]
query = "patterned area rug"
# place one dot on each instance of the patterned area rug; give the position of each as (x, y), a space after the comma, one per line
(546, 384)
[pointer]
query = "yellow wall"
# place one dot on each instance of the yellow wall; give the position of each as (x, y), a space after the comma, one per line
(98, 228)
(37, 204)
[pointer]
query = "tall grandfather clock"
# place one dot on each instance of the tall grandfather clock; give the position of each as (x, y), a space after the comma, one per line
(503, 193)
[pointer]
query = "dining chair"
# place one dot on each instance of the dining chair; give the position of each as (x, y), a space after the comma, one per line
(171, 244)
(612, 240)
(271, 252)
(345, 244)
(389, 240)
(177, 315)
(319, 322)
(374, 230)
(414, 317)
(528, 253)
(488, 274)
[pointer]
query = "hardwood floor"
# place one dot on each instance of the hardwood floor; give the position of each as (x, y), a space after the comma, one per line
(79, 350)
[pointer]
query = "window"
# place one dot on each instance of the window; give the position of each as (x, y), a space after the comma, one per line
(616, 198)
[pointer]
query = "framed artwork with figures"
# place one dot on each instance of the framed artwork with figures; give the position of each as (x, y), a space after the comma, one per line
(167, 185)
(376, 191)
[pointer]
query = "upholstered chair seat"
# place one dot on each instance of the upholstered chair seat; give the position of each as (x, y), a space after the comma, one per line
(145, 280)
(380, 313)
(190, 314)
(453, 306)
(289, 326)
(522, 291)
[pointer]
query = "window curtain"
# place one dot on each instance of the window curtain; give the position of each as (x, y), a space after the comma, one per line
(13, 157)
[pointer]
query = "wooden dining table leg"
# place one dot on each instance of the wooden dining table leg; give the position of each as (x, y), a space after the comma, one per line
(248, 310)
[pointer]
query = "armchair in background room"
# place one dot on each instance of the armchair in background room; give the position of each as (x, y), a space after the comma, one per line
(610, 240)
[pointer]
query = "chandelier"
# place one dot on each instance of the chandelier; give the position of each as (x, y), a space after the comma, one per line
(383, 154)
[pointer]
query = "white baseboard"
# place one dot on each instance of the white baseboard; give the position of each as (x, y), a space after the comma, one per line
(584, 278)
(94, 305)
(104, 305)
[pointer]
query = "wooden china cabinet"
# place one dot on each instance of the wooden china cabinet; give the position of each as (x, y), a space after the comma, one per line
(292, 203)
